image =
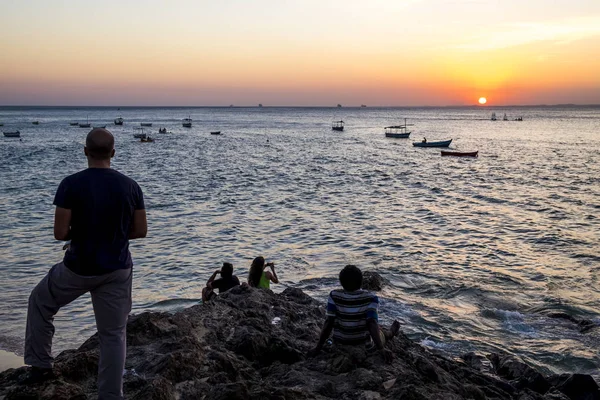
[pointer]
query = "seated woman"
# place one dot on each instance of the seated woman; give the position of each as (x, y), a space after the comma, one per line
(223, 284)
(260, 278)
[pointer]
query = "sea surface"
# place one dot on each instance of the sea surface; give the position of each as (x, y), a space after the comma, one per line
(479, 252)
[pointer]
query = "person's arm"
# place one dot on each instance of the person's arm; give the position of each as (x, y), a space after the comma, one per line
(212, 278)
(373, 327)
(325, 333)
(139, 225)
(272, 276)
(62, 224)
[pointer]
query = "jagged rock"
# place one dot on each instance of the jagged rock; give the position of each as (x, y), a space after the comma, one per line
(518, 373)
(373, 281)
(576, 386)
(252, 344)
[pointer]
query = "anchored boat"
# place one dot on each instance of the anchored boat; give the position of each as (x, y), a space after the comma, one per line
(337, 125)
(443, 143)
(460, 153)
(398, 131)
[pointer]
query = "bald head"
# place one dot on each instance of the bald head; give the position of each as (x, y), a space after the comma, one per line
(100, 144)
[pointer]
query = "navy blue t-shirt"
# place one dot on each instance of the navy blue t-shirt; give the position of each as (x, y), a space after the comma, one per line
(102, 202)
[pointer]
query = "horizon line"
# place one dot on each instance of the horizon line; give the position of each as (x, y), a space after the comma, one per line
(305, 106)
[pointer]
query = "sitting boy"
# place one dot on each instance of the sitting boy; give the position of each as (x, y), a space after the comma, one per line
(352, 315)
(223, 284)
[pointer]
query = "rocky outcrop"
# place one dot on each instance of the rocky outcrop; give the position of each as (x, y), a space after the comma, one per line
(253, 344)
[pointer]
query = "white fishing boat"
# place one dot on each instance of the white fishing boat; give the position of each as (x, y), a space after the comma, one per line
(337, 125)
(398, 131)
(140, 134)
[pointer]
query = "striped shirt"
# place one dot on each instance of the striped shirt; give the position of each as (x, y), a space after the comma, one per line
(351, 311)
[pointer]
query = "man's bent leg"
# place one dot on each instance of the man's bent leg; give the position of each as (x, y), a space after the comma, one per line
(58, 288)
(112, 304)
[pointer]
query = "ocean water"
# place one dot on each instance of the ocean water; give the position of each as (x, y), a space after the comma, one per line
(478, 252)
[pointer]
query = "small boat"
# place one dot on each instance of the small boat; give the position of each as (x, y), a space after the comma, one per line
(86, 125)
(140, 134)
(494, 116)
(398, 131)
(363, 105)
(147, 139)
(443, 143)
(505, 118)
(337, 125)
(187, 122)
(260, 105)
(162, 130)
(100, 127)
(146, 124)
(339, 106)
(519, 119)
(36, 122)
(215, 133)
(119, 121)
(73, 123)
(12, 134)
(460, 153)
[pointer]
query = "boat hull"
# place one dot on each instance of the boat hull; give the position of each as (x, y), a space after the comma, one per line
(337, 128)
(216, 133)
(397, 135)
(146, 124)
(12, 134)
(444, 143)
(84, 125)
(460, 153)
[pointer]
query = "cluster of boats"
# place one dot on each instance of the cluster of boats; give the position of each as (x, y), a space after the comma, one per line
(402, 132)
(504, 118)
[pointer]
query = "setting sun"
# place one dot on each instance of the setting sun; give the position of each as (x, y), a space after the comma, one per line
(482, 100)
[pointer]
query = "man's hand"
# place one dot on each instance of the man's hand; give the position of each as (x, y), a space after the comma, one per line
(217, 272)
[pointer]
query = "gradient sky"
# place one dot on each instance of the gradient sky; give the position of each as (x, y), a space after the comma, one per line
(308, 52)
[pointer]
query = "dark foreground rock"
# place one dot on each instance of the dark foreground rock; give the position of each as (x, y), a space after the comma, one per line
(252, 344)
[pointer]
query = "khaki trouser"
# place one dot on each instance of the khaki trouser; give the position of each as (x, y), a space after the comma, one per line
(111, 298)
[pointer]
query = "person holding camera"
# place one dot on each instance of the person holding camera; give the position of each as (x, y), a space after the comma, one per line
(260, 278)
(223, 284)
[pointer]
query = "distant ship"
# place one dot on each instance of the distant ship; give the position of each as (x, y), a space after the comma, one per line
(260, 105)
(339, 106)
(363, 105)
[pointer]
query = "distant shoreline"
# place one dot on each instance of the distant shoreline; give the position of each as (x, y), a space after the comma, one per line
(483, 107)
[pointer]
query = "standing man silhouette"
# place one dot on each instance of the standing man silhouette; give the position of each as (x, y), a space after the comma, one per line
(99, 210)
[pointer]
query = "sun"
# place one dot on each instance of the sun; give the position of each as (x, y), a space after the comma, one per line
(482, 100)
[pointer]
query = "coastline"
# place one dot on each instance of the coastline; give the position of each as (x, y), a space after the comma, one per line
(252, 343)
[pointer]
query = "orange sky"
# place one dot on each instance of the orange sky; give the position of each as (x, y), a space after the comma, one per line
(402, 52)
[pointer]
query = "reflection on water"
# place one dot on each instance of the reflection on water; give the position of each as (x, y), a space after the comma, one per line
(478, 251)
